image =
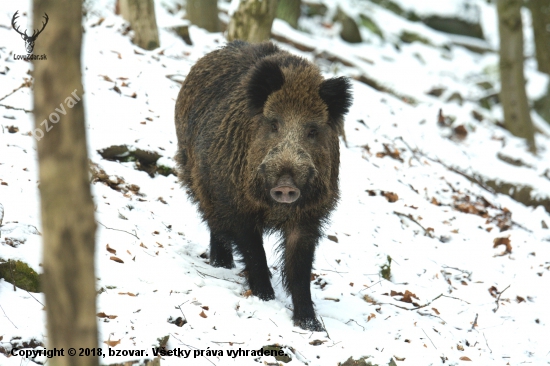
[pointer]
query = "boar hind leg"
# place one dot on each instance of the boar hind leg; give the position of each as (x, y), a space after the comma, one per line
(249, 243)
(299, 252)
(220, 250)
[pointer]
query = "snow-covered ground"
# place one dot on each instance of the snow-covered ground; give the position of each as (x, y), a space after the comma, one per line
(453, 295)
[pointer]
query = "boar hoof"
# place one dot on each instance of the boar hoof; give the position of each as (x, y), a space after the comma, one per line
(311, 324)
(264, 295)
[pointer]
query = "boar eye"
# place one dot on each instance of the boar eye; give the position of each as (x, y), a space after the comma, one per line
(312, 133)
(274, 127)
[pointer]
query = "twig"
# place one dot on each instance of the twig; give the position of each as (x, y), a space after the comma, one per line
(124, 231)
(26, 83)
(413, 152)
(12, 278)
(426, 304)
(188, 346)
(429, 338)
(15, 108)
(456, 298)
(351, 320)
(325, 327)
(329, 270)
(35, 298)
(487, 343)
(416, 222)
(475, 323)
(274, 323)
(334, 344)
(184, 317)
(498, 299)
(7, 317)
(460, 270)
(223, 279)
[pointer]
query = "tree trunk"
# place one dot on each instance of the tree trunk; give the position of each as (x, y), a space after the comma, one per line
(141, 16)
(513, 97)
(204, 14)
(289, 11)
(67, 208)
(252, 21)
(540, 11)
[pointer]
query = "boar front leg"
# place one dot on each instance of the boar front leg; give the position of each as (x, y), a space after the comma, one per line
(299, 252)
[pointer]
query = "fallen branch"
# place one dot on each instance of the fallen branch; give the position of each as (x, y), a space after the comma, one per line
(124, 231)
(426, 231)
(26, 83)
(15, 108)
(498, 298)
(429, 339)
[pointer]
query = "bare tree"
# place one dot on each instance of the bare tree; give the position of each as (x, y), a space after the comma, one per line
(289, 11)
(540, 11)
(66, 203)
(252, 21)
(517, 118)
(141, 16)
(204, 14)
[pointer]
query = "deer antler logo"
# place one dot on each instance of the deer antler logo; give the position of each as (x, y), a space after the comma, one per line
(29, 40)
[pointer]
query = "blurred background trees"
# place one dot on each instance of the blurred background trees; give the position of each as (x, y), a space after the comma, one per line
(141, 16)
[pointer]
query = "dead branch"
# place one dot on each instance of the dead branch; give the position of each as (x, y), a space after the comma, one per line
(498, 298)
(426, 231)
(124, 231)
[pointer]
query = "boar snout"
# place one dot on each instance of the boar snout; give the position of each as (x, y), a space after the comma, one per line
(285, 190)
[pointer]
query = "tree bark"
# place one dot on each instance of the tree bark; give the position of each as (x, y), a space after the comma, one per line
(141, 16)
(517, 118)
(204, 14)
(252, 21)
(67, 208)
(289, 11)
(540, 11)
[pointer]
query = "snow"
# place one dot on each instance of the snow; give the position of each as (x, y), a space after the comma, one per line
(441, 254)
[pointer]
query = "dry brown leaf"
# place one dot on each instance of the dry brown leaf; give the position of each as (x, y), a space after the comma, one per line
(369, 299)
(127, 293)
(520, 299)
(464, 358)
(202, 314)
(333, 238)
(112, 343)
(110, 250)
(503, 241)
(399, 358)
(247, 293)
(464, 283)
(371, 316)
(436, 311)
(390, 196)
(459, 347)
(116, 259)
(316, 342)
(493, 291)
(143, 246)
(351, 284)
(103, 315)
(205, 307)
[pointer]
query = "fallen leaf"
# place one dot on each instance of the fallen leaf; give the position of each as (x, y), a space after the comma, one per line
(116, 259)
(110, 250)
(459, 347)
(399, 358)
(369, 299)
(316, 342)
(112, 343)
(371, 316)
(520, 299)
(505, 242)
(202, 314)
(143, 246)
(333, 238)
(436, 311)
(127, 293)
(464, 358)
(103, 315)
(247, 293)
(390, 196)
(493, 291)
(205, 307)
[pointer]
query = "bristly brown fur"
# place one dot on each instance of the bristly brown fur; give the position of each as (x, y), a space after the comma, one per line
(246, 116)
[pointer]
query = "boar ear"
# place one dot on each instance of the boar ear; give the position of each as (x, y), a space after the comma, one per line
(336, 94)
(266, 78)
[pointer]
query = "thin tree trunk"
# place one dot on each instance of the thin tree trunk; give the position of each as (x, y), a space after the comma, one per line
(252, 21)
(142, 18)
(289, 11)
(517, 118)
(540, 11)
(204, 14)
(67, 208)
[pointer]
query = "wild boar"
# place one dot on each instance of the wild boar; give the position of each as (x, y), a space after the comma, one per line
(258, 151)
